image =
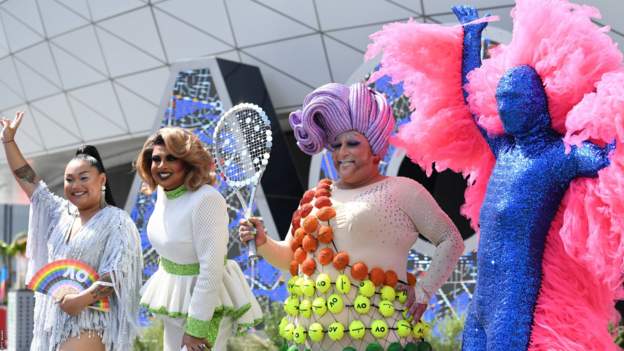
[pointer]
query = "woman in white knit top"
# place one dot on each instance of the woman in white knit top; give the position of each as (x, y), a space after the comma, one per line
(200, 295)
(373, 219)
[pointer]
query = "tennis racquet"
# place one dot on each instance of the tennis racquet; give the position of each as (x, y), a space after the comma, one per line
(242, 146)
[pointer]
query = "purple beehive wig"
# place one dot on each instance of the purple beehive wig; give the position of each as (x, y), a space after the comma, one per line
(333, 109)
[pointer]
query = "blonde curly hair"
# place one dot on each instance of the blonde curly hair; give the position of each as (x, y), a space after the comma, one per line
(184, 145)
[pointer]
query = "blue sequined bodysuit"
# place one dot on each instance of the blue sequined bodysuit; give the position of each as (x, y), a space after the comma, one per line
(531, 174)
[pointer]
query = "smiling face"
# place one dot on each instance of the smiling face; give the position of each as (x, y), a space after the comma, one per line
(354, 160)
(167, 170)
(83, 184)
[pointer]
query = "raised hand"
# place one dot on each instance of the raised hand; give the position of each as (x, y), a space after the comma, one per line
(9, 128)
(466, 14)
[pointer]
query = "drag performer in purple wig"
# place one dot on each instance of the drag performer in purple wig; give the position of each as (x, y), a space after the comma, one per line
(348, 245)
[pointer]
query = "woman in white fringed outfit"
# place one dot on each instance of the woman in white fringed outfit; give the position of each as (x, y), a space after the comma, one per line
(86, 226)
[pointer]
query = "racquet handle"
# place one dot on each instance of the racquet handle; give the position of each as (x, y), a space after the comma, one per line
(252, 253)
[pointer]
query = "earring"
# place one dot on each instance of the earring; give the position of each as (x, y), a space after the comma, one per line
(103, 197)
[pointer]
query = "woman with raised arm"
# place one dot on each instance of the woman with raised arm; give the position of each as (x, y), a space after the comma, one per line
(349, 242)
(86, 226)
(201, 296)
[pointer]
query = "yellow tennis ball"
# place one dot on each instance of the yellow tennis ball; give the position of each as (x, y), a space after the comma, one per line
(367, 288)
(361, 304)
(426, 329)
(343, 284)
(308, 287)
(402, 295)
(404, 328)
(315, 332)
(288, 331)
(323, 282)
(379, 329)
(404, 314)
(296, 290)
(334, 303)
(386, 308)
(335, 331)
(299, 335)
(319, 307)
(291, 283)
(387, 293)
(282, 325)
(305, 308)
(357, 329)
(419, 330)
(291, 305)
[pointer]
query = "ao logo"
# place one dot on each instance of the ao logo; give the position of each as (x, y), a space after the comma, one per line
(76, 274)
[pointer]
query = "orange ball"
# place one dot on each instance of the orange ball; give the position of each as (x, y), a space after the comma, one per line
(322, 192)
(377, 276)
(322, 201)
(391, 278)
(296, 220)
(307, 197)
(341, 260)
(299, 234)
(359, 271)
(309, 243)
(295, 243)
(411, 279)
(325, 256)
(310, 224)
(308, 266)
(326, 186)
(294, 268)
(300, 255)
(305, 210)
(325, 234)
(326, 213)
(326, 181)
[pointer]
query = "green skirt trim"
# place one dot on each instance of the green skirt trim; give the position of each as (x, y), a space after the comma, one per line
(209, 329)
(163, 311)
(244, 327)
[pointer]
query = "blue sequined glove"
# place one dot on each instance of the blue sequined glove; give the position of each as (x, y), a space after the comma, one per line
(466, 14)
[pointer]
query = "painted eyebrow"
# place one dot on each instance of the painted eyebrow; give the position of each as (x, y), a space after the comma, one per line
(79, 174)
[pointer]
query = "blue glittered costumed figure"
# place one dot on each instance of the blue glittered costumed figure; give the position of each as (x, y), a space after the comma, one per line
(510, 145)
(531, 173)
